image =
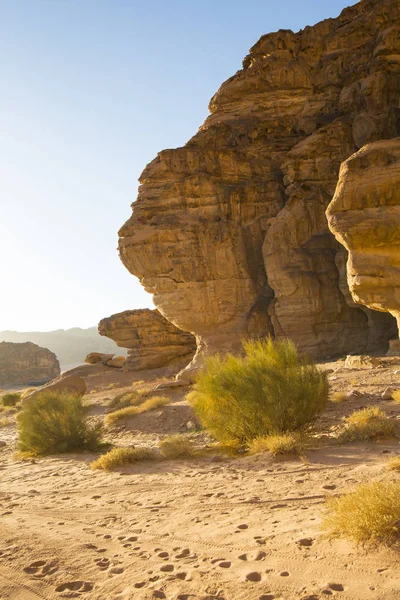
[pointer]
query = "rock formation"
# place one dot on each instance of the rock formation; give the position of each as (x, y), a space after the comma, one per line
(152, 341)
(364, 215)
(26, 364)
(65, 384)
(229, 233)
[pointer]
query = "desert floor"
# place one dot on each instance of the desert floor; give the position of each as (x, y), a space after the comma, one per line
(245, 528)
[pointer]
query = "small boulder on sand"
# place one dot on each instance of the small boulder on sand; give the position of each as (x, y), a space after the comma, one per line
(117, 361)
(96, 357)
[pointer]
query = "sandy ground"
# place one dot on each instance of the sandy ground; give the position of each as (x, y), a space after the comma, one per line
(246, 528)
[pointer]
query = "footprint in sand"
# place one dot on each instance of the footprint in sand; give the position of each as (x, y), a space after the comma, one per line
(167, 568)
(253, 576)
(225, 564)
(267, 597)
(41, 568)
(253, 556)
(102, 563)
(75, 586)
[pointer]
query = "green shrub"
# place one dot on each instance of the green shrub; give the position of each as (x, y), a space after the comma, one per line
(10, 399)
(126, 399)
(271, 390)
(177, 446)
(118, 457)
(370, 513)
(54, 422)
(367, 424)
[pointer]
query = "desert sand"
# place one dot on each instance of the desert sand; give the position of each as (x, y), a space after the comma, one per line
(214, 528)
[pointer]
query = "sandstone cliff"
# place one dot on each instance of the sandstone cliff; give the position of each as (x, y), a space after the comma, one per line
(229, 233)
(26, 364)
(152, 341)
(364, 215)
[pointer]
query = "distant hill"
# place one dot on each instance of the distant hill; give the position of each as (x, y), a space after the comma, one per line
(69, 345)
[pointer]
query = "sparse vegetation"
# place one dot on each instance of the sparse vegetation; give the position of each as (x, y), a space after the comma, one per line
(27, 391)
(370, 513)
(394, 463)
(54, 422)
(338, 397)
(149, 404)
(396, 396)
(131, 398)
(367, 424)
(118, 457)
(5, 422)
(271, 390)
(177, 446)
(285, 443)
(10, 399)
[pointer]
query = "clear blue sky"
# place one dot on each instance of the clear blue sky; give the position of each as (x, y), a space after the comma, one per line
(91, 90)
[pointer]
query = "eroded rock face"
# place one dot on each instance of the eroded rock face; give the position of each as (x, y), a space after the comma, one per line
(152, 341)
(229, 233)
(26, 364)
(364, 215)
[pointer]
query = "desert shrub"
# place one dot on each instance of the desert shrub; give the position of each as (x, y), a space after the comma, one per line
(284, 443)
(394, 463)
(10, 399)
(118, 457)
(130, 411)
(370, 513)
(5, 422)
(126, 399)
(367, 424)
(270, 390)
(27, 391)
(177, 446)
(54, 422)
(396, 396)
(338, 397)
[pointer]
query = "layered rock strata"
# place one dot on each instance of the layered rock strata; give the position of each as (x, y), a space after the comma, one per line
(364, 215)
(229, 232)
(26, 364)
(152, 341)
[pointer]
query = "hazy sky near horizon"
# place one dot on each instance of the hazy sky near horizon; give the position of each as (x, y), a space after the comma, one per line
(91, 91)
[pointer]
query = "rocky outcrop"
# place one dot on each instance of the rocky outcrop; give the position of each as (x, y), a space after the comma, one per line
(364, 215)
(152, 341)
(229, 233)
(96, 357)
(26, 364)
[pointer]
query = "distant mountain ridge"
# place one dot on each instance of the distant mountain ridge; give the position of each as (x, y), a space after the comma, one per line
(69, 345)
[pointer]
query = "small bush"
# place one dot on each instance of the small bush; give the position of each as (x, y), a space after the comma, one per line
(5, 422)
(371, 513)
(177, 446)
(27, 391)
(126, 399)
(270, 390)
(396, 396)
(394, 463)
(130, 411)
(285, 443)
(10, 399)
(54, 422)
(118, 457)
(367, 424)
(338, 397)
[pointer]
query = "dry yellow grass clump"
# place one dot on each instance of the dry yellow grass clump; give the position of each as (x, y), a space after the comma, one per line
(338, 397)
(367, 424)
(177, 446)
(118, 457)
(370, 513)
(394, 464)
(285, 443)
(396, 396)
(130, 411)
(5, 422)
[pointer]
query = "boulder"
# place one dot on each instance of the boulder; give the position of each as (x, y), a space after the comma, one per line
(394, 348)
(96, 357)
(364, 215)
(117, 361)
(26, 364)
(229, 232)
(151, 340)
(72, 384)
